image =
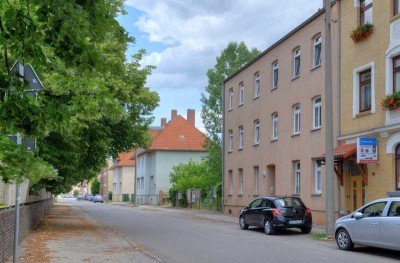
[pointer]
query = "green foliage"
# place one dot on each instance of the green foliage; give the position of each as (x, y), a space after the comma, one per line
(95, 188)
(95, 103)
(232, 58)
(76, 193)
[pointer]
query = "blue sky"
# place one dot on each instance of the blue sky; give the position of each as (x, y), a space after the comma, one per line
(184, 37)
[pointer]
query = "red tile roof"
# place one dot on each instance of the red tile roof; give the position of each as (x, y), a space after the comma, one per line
(124, 159)
(178, 135)
(344, 151)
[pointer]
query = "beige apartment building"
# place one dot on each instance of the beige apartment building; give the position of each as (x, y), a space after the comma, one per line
(274, 121)
(370, 71)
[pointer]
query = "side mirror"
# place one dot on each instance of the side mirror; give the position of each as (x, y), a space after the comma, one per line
(357, 215)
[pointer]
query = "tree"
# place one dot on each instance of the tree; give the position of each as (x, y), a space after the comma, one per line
(95, 188)
(76, 193)
(95, 103)
(232, 58)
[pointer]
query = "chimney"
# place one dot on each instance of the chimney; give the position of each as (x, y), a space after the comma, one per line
(163, 122)
(174, 113)
(191, 117)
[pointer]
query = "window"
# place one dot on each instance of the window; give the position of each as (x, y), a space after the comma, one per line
(142, 183)
(256, 203)
(364, 87)
(231, 98)
(256, 180)
(394, 209)
(241, 94)
(373, 210)
(230, 182)
(317, 178)
(365, 12)
(317, 113)
(396, 74)
(317, 51)
(240, 181)
(365, 90)
(296, 119)
(296, 62)
(396, 7)
(257, 85)
(297, 177)
(275, 75)
(230, 140)
(241, 143)
(275, 126)
(137, 183)
(152, 182)
(398, 168)
(256, 132)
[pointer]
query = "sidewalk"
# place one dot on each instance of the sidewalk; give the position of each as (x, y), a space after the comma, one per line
(68, 235)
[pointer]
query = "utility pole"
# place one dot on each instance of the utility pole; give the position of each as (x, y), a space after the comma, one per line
(329, 157)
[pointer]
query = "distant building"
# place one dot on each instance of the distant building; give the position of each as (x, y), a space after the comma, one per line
(175, 142)
(123, 177)
(106, 179)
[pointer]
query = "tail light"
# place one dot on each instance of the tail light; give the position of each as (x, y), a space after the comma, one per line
(276, 212)
(308, 212)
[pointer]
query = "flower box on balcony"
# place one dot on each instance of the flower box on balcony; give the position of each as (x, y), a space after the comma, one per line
(391, 102)
(362, 32)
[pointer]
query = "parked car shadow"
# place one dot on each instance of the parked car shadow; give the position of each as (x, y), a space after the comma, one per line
(280, 232)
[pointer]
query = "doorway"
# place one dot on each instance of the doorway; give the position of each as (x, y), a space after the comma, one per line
(357, 192)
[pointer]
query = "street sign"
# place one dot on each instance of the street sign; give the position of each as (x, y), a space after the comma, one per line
(29, 75)
(367, 150)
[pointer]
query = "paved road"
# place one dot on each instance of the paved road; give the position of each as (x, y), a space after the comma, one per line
(176, 236)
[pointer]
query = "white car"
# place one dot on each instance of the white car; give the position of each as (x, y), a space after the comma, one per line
(376, 224)
(98, 199)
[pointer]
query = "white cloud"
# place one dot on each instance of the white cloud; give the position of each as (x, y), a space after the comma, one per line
(197, 31)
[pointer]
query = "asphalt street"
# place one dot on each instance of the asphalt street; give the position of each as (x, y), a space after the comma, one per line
(181, 236)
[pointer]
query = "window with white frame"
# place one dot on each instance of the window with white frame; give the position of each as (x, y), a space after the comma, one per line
(396, 73)
(275, 75)
(152, 182)
(138, 183)
(241, 181)
(317, 178)
(142, 183)
(365, 12)
(297, 177)
(256, 132)
(317, 51)
(256, 180)
(230, 140)
(364, 89)
(257, 85)
(241, 93)
(241, 139)
(396, 7)
(296, 62)
(230, 181)
(231, 98)
(317, 113)
(296, 119)
(275, 126)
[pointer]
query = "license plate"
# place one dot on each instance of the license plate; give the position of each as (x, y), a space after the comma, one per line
(296, 222)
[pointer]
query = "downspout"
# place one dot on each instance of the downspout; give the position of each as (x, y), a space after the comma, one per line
(223, 147)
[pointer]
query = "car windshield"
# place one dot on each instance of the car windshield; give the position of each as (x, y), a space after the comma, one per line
(289, 202)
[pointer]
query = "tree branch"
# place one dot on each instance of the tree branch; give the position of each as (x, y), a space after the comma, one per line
(5, 48)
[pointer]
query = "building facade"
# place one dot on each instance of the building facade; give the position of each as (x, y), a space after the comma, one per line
(175, 142)
(106, 180)
(123, 177)
(370, 72)
(274, 120)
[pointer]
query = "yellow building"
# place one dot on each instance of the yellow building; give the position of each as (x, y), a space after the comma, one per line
(370, 70)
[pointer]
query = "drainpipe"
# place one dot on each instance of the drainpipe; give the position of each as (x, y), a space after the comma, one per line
(339, 83)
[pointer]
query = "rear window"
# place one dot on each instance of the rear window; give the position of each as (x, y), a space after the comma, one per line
(289, 202)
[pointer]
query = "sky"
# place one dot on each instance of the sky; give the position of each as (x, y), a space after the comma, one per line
(183, 38)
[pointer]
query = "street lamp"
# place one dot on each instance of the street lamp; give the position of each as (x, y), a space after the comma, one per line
(28, 74)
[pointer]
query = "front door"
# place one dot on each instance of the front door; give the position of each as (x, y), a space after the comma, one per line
(357, 192)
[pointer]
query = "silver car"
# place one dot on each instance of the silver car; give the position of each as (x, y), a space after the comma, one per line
(376, 224)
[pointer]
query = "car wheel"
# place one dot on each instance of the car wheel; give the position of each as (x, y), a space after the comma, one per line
(268, 227)
(306, 230)
(242, 223)
(343, 240)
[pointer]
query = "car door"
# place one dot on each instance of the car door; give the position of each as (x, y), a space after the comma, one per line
(253, 212)
(390, 227)
(365, 230)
